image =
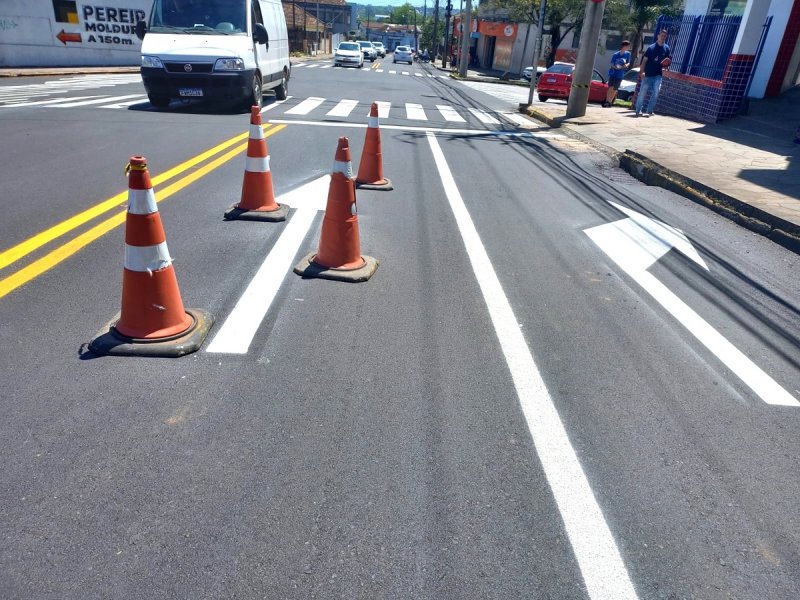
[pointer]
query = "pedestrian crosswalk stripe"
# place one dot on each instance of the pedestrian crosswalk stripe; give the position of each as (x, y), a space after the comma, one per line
(102, 100)
(275, 104)
(125, 104)
(306, 106)
(415, 112)
(343, 109)
(383, 109)
(46, 102)
(312, 66)
(379, 70)
(449, 113)
(418, 74)
(326, 66)
(392, 72)
(405, 72)
(484, 117)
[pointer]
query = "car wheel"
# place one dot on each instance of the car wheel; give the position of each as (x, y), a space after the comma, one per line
(256, 94)
(282, 91)
(158, 101)
(394, 61)
(544, 98)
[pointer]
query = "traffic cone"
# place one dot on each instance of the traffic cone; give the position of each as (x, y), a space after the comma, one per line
(153, 321)
(370, 169)
(339, 256)
(258, 199)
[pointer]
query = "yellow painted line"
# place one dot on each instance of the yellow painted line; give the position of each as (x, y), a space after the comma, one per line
(32, 244)
(60, 254)
(375, 66)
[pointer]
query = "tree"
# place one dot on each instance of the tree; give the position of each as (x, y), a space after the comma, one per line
(403, 15)
(643, 14)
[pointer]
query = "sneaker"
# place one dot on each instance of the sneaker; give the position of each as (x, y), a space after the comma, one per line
(646, 114)
(606, 105)
(638, 114)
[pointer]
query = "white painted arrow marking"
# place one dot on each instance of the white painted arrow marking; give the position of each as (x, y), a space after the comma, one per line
(638, 242)
(236, 334)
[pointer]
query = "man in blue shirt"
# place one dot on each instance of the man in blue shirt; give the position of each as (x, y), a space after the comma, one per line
(620, 61)
(656, 57)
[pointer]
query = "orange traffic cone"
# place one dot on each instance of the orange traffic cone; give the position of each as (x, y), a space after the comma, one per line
(370, 169)
(153, 321)
(258, 199)
(339, 256)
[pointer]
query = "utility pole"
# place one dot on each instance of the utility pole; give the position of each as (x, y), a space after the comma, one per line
(582, 76)
(424, 19)
(435, 30)
(536, 46)
(466, 34)
(317, 16)
(416, 34)
(447, 10)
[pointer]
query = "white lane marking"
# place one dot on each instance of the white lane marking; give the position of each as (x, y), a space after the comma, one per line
(312, 66)
(299, 65)
(326, 66)
(343, 109)
(619, 240)
(379, 70)
(306, 106)
(601, 565)
(415, 112)
(484, 117)
(239, 329)
(46, 102)
(449, 113)
(392, 72)
(125, 104)
(405, 72)
(418, 74)
(483, 132)
(274, 104)
(383, 109)
(96, 101)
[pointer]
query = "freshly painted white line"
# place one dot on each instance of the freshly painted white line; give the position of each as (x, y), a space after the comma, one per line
(418, 74)
(236, 334)
(392, 72)
(96, 101)
(595, 550)
(445, 130)
(405, 73)
(449, 113)
(484, 117)
(622, 242)
(383, 109)
(379, 70)
(312, 66)
(126, 103)
(326, 66)
(415, 112)
(274, 104)
(46, 102)
(343, 109)
(306, 106)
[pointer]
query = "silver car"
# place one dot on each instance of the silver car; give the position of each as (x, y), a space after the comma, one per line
(403, 54)
(369, 51)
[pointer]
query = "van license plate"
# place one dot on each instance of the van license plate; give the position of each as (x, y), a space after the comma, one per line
(551, 80)
(190, 91)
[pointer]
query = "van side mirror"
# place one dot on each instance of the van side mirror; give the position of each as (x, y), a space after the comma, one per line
(141, 29)
(261, 36)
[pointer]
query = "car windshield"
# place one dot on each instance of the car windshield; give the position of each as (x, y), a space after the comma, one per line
(208, 17)
(565, 69)
(402, 49)
(365, 44)
(346, 46)
(632, 75)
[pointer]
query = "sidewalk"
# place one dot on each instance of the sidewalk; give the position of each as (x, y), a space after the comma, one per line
(746, 168)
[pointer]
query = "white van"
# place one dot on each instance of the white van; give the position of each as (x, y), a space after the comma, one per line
(215, 50)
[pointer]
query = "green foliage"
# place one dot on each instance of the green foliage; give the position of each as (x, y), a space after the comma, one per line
(404, 15)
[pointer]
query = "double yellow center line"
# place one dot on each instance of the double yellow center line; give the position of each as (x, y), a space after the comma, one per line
(56, 256)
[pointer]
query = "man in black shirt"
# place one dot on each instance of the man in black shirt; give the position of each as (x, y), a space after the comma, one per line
(656, 57)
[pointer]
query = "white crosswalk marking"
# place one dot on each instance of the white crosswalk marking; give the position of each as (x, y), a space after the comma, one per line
(46, 102)
(23, 95)
(383, 109)
(326, 66)
(379, 70)
(102, 100)
(306, 106)
(275, 104)
(418, 74)
(125, 104)
(449, 113)
(484, 117)
(405, 72)
(312, 66)
(415, 112)
(343, 109)
(392, 72)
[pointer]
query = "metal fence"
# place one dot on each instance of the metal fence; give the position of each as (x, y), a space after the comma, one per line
(701, 45)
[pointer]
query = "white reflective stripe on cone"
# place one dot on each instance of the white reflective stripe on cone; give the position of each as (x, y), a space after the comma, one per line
(256, 132)
(141, 202)
(372, 122)
(345, 168)
(257, 164)
(147, 258)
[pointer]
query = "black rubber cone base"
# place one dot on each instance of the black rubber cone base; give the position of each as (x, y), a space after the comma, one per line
(385, 187)
(272, 216)
(109, 342)
(307, 268)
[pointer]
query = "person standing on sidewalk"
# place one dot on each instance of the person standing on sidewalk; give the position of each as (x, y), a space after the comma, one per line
(655, 58)
(620, 61)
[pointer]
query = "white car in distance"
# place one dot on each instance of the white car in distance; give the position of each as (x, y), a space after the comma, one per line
(348, 54)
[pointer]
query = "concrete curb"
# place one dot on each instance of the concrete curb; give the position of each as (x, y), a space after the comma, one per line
(650, 172)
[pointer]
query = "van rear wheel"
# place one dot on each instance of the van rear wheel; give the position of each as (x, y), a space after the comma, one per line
(158, 101)
(282, 91)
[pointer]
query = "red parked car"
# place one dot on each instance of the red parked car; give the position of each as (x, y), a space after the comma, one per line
(556, 81)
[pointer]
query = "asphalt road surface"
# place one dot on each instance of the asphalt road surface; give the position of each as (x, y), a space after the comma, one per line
(559, 383)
